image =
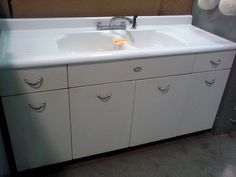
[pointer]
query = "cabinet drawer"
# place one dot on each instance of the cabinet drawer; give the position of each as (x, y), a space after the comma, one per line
(39, 128)
(128, 70)
(214, 61)
(20, 81)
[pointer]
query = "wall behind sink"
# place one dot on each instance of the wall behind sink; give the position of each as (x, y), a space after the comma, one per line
(225, 26)
(4, 9)
(215, 22)
(72, 8)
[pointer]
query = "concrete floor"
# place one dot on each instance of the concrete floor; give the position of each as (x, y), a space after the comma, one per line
(202, 155)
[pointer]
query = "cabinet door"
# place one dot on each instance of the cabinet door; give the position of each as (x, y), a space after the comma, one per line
(157, 108)
(101, 117)
(204, 95)
(39, 128)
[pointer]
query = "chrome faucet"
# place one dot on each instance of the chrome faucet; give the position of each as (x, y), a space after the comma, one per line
(113, 19)
(113, 26)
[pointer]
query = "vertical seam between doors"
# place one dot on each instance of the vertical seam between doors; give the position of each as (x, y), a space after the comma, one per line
(69, 111)
(132, 118)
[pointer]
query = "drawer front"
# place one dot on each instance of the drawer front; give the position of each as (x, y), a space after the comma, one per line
(128, 70)
(39, 127)
(14, 82)
(214, 61)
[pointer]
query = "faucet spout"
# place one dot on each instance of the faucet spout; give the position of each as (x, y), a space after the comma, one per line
(113, 19)
(122, 26)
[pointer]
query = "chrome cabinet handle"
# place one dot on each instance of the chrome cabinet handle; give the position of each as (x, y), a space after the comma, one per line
(233, 121)
(137, 69)
(215, 64)
(38, 108)
(104, 98)
(210, 83)
(36, 84)
(164, 90)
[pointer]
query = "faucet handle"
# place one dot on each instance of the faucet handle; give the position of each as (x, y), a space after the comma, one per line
(134, 24)
(123, 24)
(99, 25)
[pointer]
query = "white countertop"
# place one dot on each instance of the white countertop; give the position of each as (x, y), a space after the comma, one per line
(33, 42)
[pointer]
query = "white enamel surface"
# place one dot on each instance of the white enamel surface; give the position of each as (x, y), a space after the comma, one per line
(103, 40)
(24, 43)
(151, 39)
(86, 42)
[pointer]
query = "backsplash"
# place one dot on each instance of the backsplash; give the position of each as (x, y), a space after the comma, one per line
(73, 8)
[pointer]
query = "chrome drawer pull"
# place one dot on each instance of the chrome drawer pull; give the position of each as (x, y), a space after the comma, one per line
(137, 69)
(39, 108)
(36, 84)
(233, 121)
(215, 64)
(210, 83)
(164, 90)
(104, 98)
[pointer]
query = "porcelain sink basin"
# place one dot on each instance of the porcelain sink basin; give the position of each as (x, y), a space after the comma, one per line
(152, 39)
(86, 42)
(103, 41)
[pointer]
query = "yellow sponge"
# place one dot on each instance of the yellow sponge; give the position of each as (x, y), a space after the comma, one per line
(120, 41)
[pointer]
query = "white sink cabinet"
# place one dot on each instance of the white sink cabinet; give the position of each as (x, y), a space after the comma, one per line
(55, 116)
(69, 93)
